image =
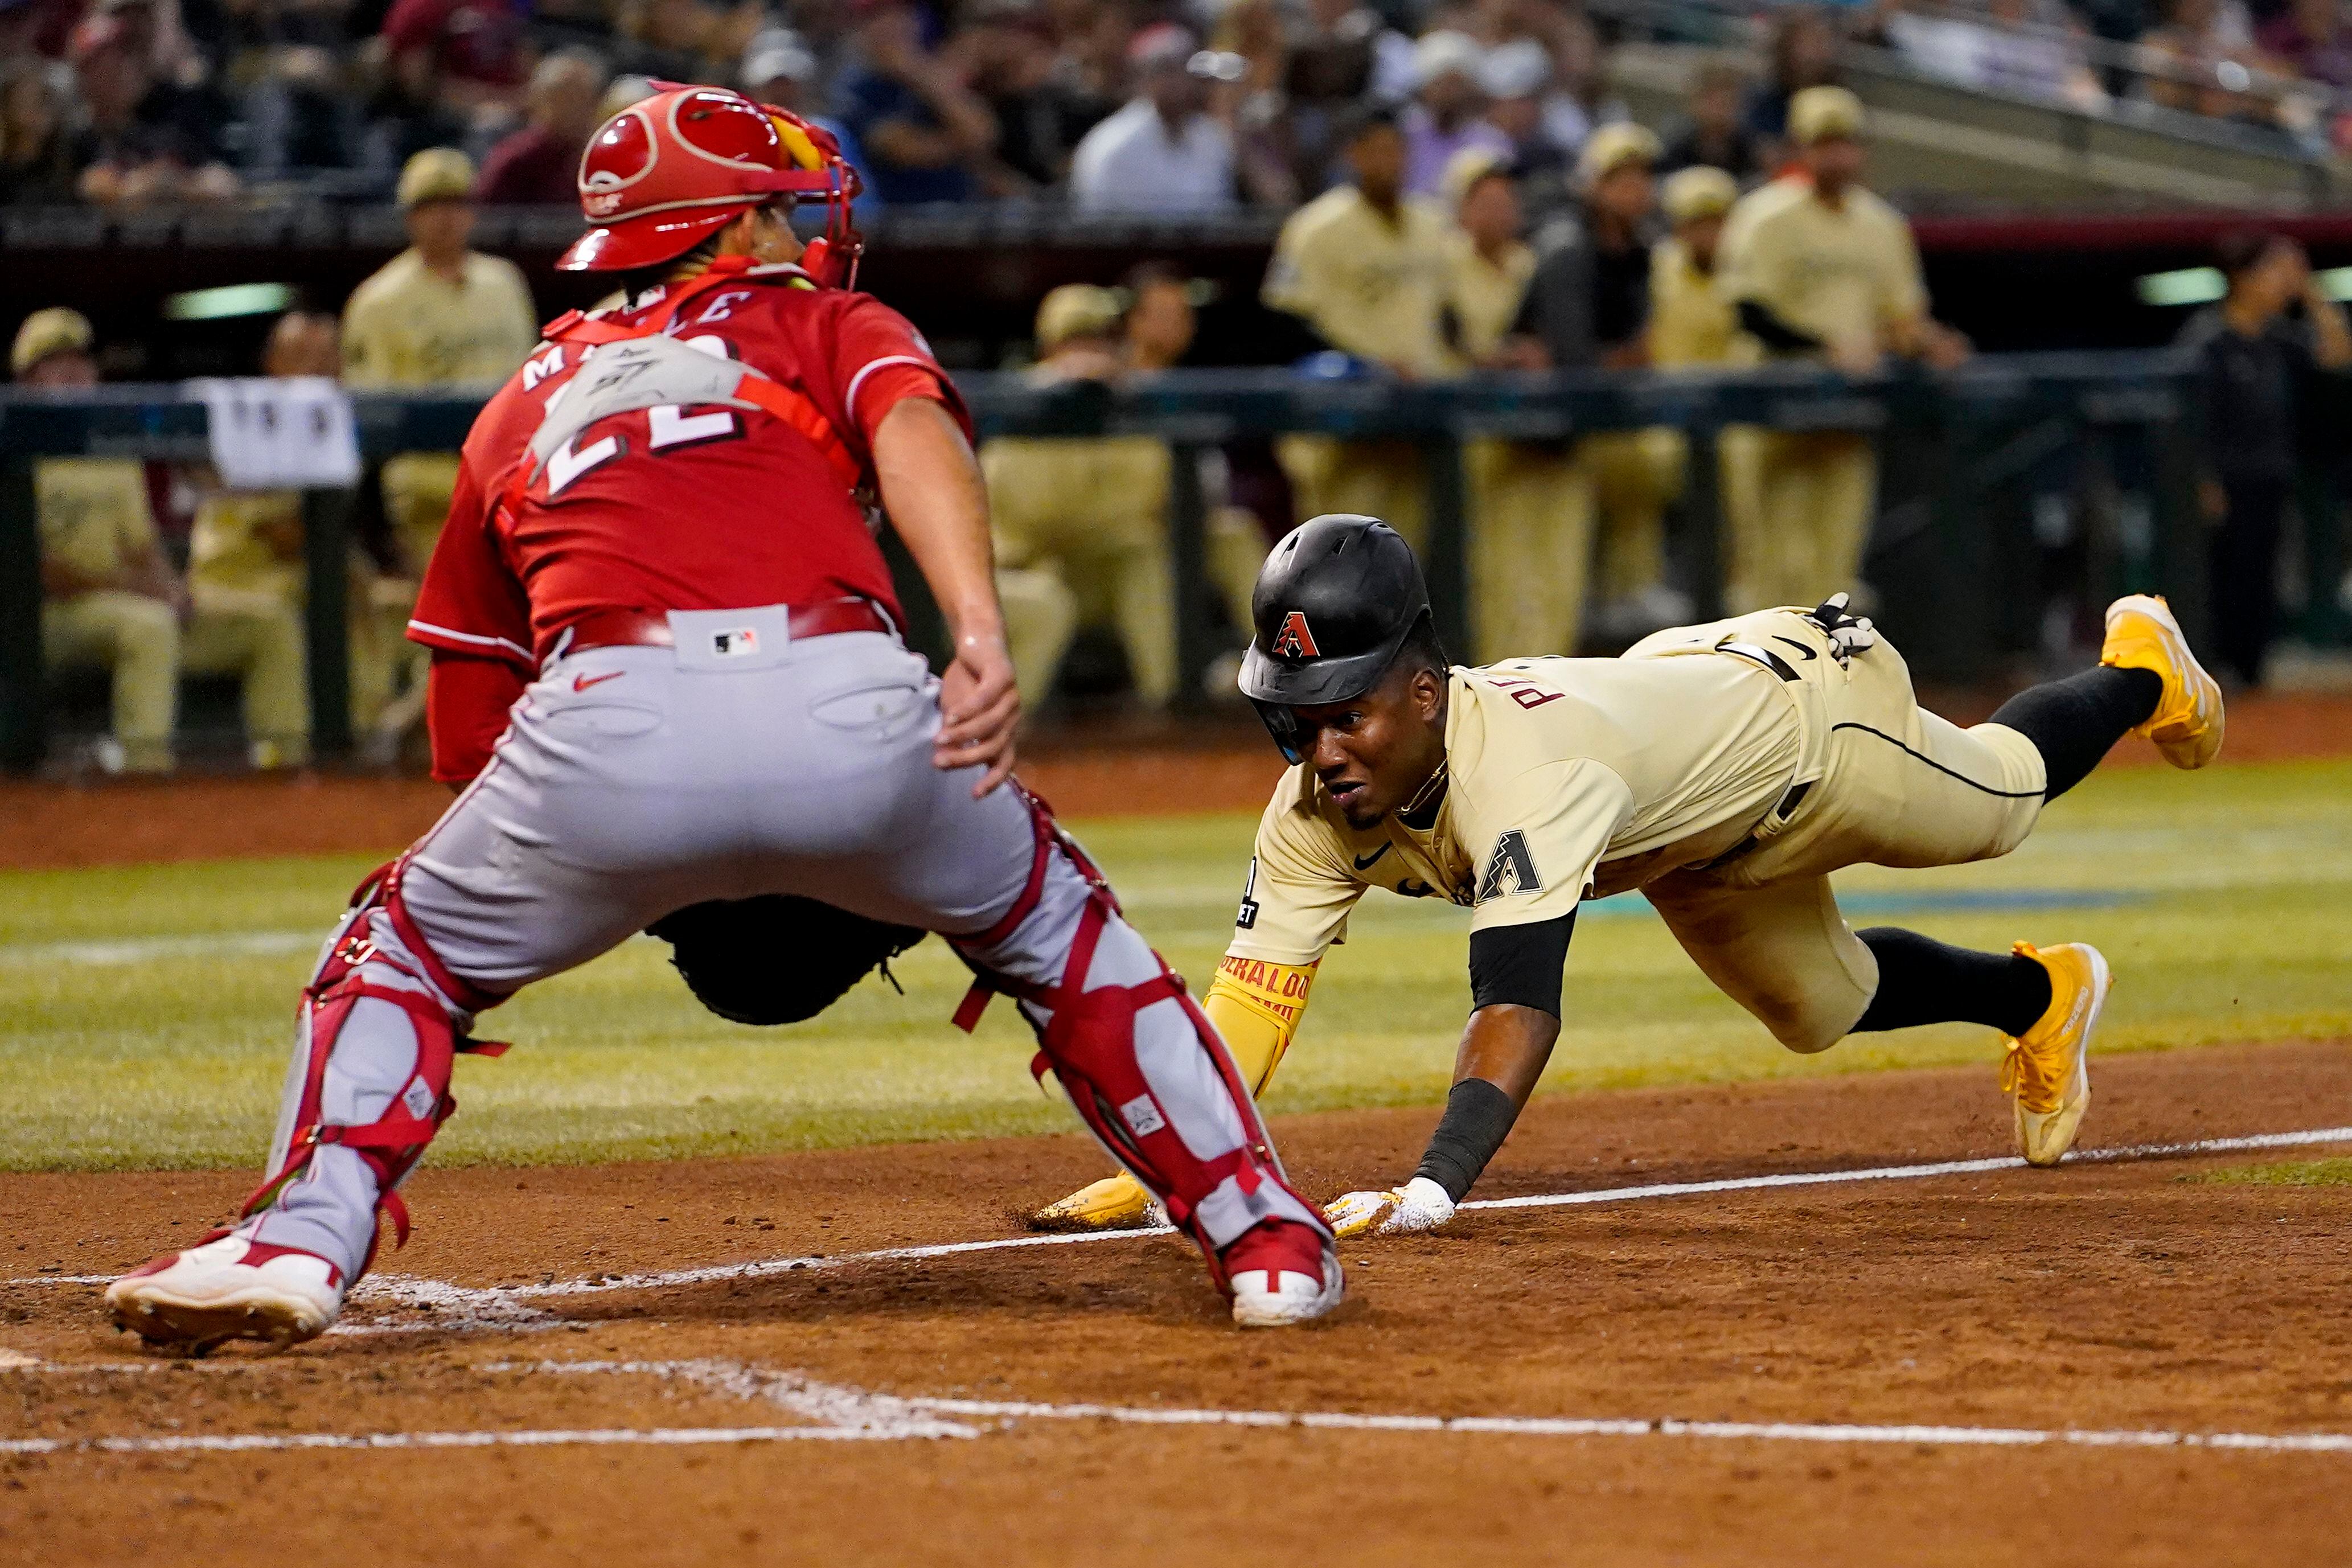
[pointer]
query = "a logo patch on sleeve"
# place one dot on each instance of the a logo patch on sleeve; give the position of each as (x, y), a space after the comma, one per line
(1512, 870)
(1247, 917)
(1141, 1116)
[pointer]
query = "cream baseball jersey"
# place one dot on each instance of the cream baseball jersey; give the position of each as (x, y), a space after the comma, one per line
(1563, 777)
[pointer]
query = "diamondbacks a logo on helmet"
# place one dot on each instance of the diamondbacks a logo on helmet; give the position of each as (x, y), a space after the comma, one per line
(1511, 870)
(1295, 640)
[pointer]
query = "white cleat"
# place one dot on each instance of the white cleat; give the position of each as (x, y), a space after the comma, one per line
(1280, 1272)
(1279, 1297)
(229, 1288)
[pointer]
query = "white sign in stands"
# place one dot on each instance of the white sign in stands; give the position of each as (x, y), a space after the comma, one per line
(281, 432)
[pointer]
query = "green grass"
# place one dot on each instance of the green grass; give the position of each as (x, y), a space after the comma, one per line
(2228, 915)
(2289, 1173)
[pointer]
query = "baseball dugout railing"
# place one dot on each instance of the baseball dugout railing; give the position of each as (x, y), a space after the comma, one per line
(1954, 555)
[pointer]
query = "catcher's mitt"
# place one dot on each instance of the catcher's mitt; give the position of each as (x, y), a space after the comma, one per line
(777, 959)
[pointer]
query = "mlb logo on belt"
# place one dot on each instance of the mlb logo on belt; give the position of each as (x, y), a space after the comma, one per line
(1295, 640)
(737, 644)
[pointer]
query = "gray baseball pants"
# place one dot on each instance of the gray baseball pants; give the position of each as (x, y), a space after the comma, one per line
(635, 781)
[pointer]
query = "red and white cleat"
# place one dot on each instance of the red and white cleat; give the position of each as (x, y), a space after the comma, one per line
(228, 1289)
(1281, 1273)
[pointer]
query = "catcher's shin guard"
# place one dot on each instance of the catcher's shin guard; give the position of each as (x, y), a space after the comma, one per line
(375, 1040)
(1138, 1058)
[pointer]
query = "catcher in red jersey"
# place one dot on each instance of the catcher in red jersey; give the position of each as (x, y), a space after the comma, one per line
(667, 669)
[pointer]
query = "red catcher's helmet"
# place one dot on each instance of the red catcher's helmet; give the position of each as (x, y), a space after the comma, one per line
(665, 174)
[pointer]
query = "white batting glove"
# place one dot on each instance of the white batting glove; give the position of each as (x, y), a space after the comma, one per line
(1420, 1204)
(1851, 634)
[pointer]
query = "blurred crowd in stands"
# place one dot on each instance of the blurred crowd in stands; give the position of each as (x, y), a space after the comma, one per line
(1490, 209)
(1169, 105)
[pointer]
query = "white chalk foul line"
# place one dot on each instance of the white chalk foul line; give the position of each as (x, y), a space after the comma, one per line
(1665, 1426)
(846, 1414)
(1912, 1172)
(502, 1306)
(262, 1442)
(726, 1271)
(836, 1411)
(831, 1404)
(789, 1389)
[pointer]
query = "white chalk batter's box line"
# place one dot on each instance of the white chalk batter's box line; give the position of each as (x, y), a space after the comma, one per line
(460, 1309)
(838, 1413)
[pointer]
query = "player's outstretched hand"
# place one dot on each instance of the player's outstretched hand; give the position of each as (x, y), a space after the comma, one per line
(981, 707)
(1419, 1204)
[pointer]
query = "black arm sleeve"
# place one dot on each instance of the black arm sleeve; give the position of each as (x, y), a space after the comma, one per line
(1758, 319)
(1478, 1117)
(1520, 964)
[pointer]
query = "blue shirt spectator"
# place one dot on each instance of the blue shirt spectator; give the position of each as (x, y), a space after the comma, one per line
(923, 132)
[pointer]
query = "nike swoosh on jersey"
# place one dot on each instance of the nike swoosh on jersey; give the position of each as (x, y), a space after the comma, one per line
(583, 682)
(1802, 648)
(1366, 862)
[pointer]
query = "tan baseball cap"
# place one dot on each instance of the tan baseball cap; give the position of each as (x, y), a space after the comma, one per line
(1819, 114)
(1695, 193)
(55, 331)
(1469, 166)
(1076, 311)
(435, 174)
(1611, 147)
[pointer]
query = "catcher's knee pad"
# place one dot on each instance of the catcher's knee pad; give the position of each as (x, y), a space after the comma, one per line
(384, 1010)
(1193, 1136)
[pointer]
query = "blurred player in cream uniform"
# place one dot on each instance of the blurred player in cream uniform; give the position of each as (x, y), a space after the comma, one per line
(436, 315)
(1820, 268)
(1530, 503)
(1081, 522)
(245, 553)
(1694, 324)
(1588, 305)
(1365, 266)
(111, 598)
(1692, 321)
(1159, 326)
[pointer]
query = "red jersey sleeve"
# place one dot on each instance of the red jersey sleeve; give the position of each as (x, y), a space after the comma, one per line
(472, 602)
(466, 703)
(878, 358)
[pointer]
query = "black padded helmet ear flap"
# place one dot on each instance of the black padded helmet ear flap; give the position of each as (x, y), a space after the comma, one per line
(1335, 601)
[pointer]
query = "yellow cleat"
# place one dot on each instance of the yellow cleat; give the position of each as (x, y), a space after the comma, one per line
(1115, 1203)
(2187, 721)
(2047, 1071)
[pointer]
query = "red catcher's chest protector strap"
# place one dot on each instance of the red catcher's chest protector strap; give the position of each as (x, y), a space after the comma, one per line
(397, 1138)
(788, 404)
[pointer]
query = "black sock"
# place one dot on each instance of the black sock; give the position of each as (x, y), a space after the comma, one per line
(1923, 981)
(2073, 722)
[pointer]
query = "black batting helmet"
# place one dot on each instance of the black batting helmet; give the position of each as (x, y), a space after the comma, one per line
(1334, 603)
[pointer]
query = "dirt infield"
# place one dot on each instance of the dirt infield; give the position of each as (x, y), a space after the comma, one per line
(1231, 769)
(1986, 1365)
